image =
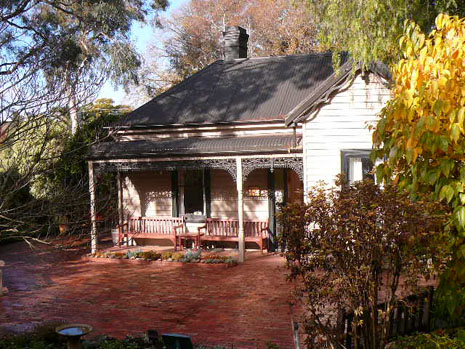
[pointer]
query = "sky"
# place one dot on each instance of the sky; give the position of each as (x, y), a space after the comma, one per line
(142, 34)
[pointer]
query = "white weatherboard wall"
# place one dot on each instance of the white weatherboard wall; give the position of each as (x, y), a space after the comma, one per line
(224, 195)
(147, 194)
(342, 124)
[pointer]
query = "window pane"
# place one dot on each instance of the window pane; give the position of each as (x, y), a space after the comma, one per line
(367, 168)
(355, 169)
(193, 192)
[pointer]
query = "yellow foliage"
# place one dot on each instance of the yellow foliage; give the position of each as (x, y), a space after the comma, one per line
(429, 93)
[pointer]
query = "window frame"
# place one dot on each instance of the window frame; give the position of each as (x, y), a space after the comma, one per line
(348, 154)
(206, 196)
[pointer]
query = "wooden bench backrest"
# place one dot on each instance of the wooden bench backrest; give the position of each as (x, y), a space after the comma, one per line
(154, 225)
(230, 227)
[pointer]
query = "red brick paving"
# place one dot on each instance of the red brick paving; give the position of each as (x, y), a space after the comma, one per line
(244, 306)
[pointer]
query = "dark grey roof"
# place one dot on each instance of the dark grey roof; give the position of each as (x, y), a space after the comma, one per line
(195, 146)
(235, 91)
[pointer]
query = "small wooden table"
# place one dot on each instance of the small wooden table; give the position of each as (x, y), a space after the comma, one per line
(182, 238)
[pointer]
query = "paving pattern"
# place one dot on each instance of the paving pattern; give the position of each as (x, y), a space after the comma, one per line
(241, 307)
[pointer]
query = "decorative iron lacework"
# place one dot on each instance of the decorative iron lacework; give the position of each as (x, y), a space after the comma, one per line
(294, 163)
(228, 165)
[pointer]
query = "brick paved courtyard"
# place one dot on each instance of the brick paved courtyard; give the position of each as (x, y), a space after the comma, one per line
(243, 307)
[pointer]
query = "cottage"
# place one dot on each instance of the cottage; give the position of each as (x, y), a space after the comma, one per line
(210, 159)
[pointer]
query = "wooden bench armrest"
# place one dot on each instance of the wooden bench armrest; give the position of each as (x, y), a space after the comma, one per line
(200, 228)
(121, 227)
(176, 227)
(122, 231)
(265, 230)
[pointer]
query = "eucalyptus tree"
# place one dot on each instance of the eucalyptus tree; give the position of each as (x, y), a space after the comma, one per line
(57, 53)
(54, 56)
(370, 29)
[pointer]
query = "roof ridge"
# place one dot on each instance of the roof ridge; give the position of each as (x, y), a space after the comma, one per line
(296, 55)
(238, 90)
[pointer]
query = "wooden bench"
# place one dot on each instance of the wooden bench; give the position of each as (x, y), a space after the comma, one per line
(227, 230)
(152, 228)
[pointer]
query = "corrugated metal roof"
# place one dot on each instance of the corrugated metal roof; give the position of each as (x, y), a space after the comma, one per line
(241, 90)
(195, 146)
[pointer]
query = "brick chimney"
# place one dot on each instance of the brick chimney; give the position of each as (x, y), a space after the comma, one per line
(235, 43)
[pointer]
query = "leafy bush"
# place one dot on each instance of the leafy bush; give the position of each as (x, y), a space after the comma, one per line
(351, 244)
(450, 339)
(150, 255)
(45, 337)
(167, 255)
(218, 259)
(113, 343)
(170, 255)
(133, 254)
(192, 256)
(420, 134)
(41, 337)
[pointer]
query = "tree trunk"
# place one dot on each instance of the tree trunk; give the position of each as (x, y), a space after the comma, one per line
(72, 103)
(73, 111)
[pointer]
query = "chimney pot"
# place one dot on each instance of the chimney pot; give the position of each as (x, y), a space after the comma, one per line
(235, 43)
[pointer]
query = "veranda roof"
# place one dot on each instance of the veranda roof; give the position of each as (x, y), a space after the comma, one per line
(277, 144)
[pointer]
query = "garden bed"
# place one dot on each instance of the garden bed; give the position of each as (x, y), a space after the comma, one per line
(45, 337)
(149, 256)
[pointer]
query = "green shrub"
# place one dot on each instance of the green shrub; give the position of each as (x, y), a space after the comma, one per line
(41, 337)
(112, 343)
(45, 337)
(271, 345)
(133, 254)
(173, 256)
(453, 339)
(216, 257)
(177, 256)
(166, 255)
(192, 256)
(150, 255)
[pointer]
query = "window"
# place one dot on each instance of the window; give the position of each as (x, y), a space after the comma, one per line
(194, 192)
(356, 165)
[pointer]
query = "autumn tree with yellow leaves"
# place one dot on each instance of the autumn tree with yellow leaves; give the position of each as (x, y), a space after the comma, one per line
(421, 133)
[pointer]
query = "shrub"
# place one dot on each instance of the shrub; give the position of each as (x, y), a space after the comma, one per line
(450, 339)
(112, 343)
(41, 337)
(350, 245)
(133, 254)
(192, 256)
(167, 255)
(177, 256)
(150, 255)
(216, 257)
